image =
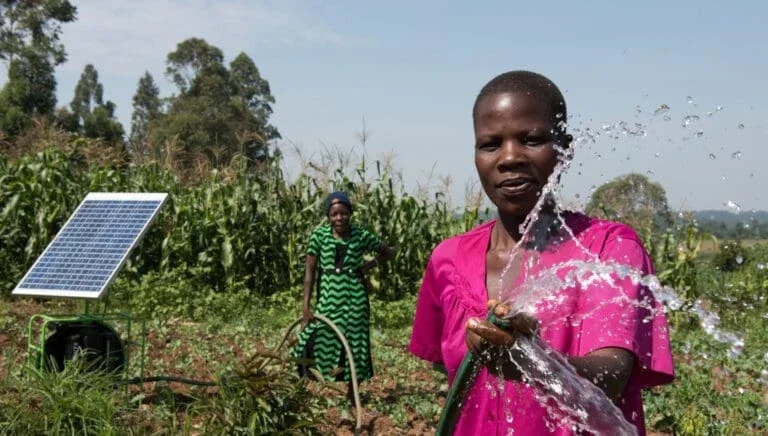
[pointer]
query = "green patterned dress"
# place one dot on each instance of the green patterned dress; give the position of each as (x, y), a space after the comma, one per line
(342, 297)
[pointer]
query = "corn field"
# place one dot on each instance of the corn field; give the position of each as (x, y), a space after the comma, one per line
(236, 229)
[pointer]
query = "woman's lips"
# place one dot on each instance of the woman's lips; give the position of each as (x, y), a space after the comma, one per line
(516, 188)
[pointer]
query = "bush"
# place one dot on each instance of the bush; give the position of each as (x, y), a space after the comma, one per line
(730, 257)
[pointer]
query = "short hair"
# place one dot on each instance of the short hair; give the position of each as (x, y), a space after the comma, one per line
(527, 82)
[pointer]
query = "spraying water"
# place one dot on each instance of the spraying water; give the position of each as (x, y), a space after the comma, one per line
(572, 401)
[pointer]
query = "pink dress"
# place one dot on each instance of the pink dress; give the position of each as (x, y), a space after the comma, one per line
(585, 318)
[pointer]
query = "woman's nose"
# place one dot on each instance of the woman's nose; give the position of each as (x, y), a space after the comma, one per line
(512, 152)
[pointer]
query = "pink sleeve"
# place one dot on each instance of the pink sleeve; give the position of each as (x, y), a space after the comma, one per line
(428, 321)
(619, 314)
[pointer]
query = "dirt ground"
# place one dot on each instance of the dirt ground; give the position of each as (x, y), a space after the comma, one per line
(165, 349)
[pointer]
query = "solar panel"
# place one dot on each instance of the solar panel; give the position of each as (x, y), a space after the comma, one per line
(86, 254)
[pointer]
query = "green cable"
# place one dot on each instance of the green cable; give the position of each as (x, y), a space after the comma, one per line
(465, 378)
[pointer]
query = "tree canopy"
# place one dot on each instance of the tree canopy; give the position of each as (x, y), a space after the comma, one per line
(219, 112)
(632, 199)
(32, 29)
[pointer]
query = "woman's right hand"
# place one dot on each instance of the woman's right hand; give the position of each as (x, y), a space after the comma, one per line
(306, 317)
(493, 344)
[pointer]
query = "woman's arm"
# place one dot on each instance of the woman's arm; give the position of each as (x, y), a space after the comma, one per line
(310, 266)
(607, 368)
(383, 254)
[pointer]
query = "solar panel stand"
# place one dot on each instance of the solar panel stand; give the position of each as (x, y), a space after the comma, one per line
(42, 326)
(81, 262)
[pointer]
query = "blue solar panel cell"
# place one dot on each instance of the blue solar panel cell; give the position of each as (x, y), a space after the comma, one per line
(92, 246)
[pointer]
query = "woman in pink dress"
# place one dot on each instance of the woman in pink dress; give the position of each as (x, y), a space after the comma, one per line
(568, 283)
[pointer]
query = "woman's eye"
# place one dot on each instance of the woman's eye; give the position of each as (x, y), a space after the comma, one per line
(533, 140)
(490, 145)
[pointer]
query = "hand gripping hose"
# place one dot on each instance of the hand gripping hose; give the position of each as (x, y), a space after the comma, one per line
(465, 378)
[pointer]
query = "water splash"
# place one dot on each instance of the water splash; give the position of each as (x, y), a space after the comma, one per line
(558, 383)
(663, 108)
(730, 204)
(689, 119)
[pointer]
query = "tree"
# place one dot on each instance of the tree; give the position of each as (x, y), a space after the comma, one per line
(147, 107)
(634, 200)
(30, 91)
(29, 43)
(32, 29)
(253, 92)
(100, 121)
(189, 61)
(219, 111)
(88, 91)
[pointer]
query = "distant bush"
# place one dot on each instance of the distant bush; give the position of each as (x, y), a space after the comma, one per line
(730, 257)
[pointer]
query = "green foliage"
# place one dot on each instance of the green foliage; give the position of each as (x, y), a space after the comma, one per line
(30, 91)
(267, 397)
(32, 28)
(91, 115)
(219, 112)
(74, 401)
(674, 252)
(632, 199)
(189, 60)
(393, 314)
(248, 231)
(730, 257)
(146, 108)
(39, 193)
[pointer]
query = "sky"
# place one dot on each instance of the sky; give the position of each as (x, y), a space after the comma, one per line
(411, 71)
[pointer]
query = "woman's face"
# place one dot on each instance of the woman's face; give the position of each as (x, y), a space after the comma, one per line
(339, 216)
(514, 149)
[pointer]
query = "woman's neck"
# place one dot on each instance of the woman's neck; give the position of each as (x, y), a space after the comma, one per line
(506, 232)
(344, 235)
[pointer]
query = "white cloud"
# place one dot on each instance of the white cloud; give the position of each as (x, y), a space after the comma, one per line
(124, 38)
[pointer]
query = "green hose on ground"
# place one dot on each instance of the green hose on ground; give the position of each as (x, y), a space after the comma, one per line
(465, 378)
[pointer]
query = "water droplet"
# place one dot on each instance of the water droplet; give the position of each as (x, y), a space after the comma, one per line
(661, 109)
(730, 204)
(700, 133)
(739, 260)
(657, 154)
(718, 108)
(736, 155)
(558, 115)
(741, 126)
(712, 156)
(688, 119)
(760, 266)
(690, 99)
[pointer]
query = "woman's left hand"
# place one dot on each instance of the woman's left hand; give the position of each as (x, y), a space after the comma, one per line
(492, 343)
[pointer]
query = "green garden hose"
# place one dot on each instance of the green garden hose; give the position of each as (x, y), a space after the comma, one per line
(465, 378)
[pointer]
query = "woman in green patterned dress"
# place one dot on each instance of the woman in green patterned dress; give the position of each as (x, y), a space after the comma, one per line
(335, 258)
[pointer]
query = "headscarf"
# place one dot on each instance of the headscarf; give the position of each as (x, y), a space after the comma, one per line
(337, 197)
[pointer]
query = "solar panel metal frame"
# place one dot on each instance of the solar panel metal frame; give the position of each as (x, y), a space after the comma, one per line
(160, 198)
